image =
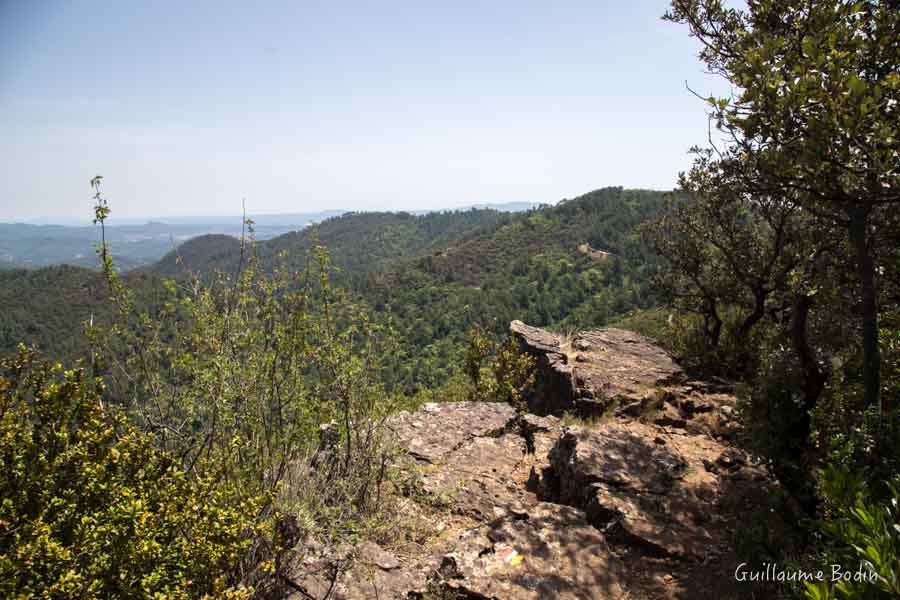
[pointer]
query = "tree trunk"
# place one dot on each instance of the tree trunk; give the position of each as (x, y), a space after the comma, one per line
(759, 311)
(813, 377)
(712, 324)
(865, 268)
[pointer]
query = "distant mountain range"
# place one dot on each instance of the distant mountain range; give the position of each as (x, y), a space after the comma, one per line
(265, 219)
(275, 219)
(140, 242)
(31, 246)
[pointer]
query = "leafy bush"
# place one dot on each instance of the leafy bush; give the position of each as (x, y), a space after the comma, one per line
(90, 508)
(513, 374)
(859, 486)
(497, 372)
(860, 531)
(203, 439)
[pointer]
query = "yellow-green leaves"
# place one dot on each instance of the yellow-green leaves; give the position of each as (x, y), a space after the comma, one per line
(91, 509)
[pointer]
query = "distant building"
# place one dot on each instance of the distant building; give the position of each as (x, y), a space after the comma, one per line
(594, 253)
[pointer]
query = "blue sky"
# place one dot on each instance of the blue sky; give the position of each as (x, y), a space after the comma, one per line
(187, 107)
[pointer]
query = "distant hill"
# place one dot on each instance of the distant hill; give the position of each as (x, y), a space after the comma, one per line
(527, 266)
(498, 206)
(435, 274)
(33, 246)
(283, 220)
(143, 242)
(47, 307)
(203, 253)
(358, 242)
(509, 206)
(440, 273)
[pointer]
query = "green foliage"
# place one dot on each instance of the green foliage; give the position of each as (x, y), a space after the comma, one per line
(477, 352)
(91, 508)
(242, 371)
(860, 530)
(430, 277)
(48, 308)
(814, 125)
(438, 275)
(783, 246)
(849, 434)
(498, 372)
(359, 242)
(526, 267)
(513, 373)
(258, 391)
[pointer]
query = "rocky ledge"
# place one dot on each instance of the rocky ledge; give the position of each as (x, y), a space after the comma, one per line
(594, 370)
(641, 504)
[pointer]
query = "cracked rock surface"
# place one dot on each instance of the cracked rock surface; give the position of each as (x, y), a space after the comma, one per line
(642, 504)
(594, 370)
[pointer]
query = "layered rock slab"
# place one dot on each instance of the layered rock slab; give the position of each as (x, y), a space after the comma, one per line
(620, 365)
(550, 551)
(650, 488)
(594, 370)
(437, 430)
(641, 504)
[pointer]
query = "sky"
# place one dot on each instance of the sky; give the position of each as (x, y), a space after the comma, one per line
(185, 108)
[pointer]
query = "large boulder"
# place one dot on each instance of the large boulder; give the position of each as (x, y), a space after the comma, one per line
(595, 370)
(553, 392)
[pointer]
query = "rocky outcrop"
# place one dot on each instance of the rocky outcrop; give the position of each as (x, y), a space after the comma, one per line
(595, 370)
(470, 456)
(614, 365)
(642, 488)
(470, 483)
(642, 504)
(554, 391)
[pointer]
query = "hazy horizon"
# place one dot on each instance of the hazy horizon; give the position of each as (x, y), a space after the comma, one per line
(227, 218)
(185, 110)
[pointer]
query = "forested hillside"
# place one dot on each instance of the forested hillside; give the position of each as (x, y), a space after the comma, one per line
(47, 307)
(358, 242)
(576, 264)
(204, 253)
(534, 266)
(434, 276)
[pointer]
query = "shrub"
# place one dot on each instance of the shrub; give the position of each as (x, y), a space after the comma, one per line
(497, 372)
(90, 508)
(859, 486)
(861, 533)
(225, 388)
